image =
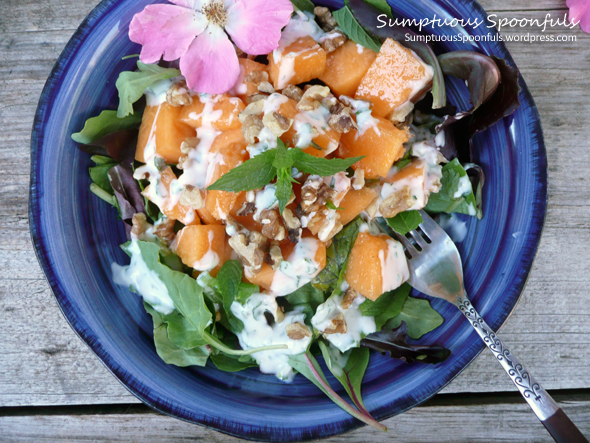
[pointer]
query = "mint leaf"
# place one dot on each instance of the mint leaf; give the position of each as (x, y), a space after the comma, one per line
(320, 166)
(132, 84)
(306, 294)
(419, 316)
(303, 5)
(454, 181)
(386, 307)
(330, 205)
(104, 124)
(284, 187)
(282, 156)
(250, 175)
(382, 6)
(405, 222)
(351, 27)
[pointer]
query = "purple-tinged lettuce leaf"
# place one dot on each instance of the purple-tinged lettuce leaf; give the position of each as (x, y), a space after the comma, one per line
(127, 191)
(394, 342)
(120, 145)
(367, 15)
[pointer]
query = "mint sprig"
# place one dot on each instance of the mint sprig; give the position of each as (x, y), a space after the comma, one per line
(277, 163)
(353, 30)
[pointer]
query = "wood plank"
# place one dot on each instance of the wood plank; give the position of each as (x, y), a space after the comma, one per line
(441, 423)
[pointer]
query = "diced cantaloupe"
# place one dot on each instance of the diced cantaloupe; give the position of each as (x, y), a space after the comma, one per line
(346, 67)
(364, 271)
(300, 62)
(355, 202)
(244, 90)
(382, 144)
(265, 276)
(227, 255)
(179, 212)
(230, 151)
(415, 169)
(161, 126)
(201, 247)
(396, 76)
(219, 111)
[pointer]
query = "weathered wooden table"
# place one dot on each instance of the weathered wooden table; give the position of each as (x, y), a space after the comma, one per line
(52, 388)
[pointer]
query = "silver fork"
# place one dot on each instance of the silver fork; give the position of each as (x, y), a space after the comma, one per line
(436, 270)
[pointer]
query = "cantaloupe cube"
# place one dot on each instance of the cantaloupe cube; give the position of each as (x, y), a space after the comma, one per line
(355, 202)
(220, 111)
(300, 62)
(244, 90)
(201, 247)
(161, 126)
(376, 264)
(415, 169)
(170, 207)
(230, 151)
(346, 67)
(382, 144)
(396, 76)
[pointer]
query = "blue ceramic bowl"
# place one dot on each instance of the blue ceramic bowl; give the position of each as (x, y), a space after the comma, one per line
(77, 237)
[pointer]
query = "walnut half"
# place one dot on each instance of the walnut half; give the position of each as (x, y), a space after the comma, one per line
(397, 202)
(312, 98)
(271, 225)
(338, 325)
(297, 331)
(250, 249)
(341, 119)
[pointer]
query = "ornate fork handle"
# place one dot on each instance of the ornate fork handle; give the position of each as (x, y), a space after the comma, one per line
(553, 418)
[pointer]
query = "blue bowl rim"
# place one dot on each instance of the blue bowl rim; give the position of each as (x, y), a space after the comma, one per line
(53, 83)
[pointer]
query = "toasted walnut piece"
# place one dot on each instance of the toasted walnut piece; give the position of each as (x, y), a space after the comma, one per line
(333, 40)
(272, 227)
(256, 77)
(314, 194)
(358, 180)
(232, 227)
(266, 87)
(165, 231)
(297, 331)
(348, 298)
(251, 127)
(400, 115)
(293, 92)
(250, 249)
(254, 108)
(396, 203)
(140, 225)
(189, 144)
(349, 102)
(178, 94)
(255, 98)
(248, 208)
(338, 325)
(277, 123)
(325, 18)
(341, 119)
(312, 98)
(274, 256)
(373, 207)
(192, 197)
(293, 225)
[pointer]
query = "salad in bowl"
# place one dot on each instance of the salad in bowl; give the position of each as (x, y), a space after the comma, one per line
(259, 158)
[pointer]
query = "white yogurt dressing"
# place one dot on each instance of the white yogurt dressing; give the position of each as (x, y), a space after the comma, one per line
(257, 332)
(364, 116)
(266, 198)
(298, 269)
(358, 326)
(464, 187)
(454, 226)
(394, 266)
(210, 259)
(139, 278)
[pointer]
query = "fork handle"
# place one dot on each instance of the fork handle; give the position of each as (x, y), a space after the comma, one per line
(561, 428)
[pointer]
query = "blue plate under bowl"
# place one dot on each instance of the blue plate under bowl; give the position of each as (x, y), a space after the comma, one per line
(77, 237)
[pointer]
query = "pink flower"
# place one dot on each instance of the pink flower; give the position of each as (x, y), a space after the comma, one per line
(580, 12)
(193, 31)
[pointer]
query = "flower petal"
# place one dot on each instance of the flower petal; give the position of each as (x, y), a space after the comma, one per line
(165, 30)
(211, 64)
(255, 25)
(580, 11)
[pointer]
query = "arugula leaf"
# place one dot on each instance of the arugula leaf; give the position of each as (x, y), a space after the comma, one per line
(386, 307)
(250, 175)
(354, 31)
(330, 279)
(450, 198)
(303, 5)
(104, 124)
(419, 316)
(229, 279)
(168, 351)
(184, 291)
(382, 6)
(307, 365)
(320, 166)
(405, 222)
(394, 342)
(351, 374)
(231, 364)
(132, 84)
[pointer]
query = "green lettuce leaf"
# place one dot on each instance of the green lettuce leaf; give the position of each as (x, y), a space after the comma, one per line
(386, 307)
(303, 5)
(104, 124)
(405, 222)
(447, 200)
(419, 316)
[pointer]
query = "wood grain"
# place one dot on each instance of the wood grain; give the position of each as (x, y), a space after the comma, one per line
(44, 362)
